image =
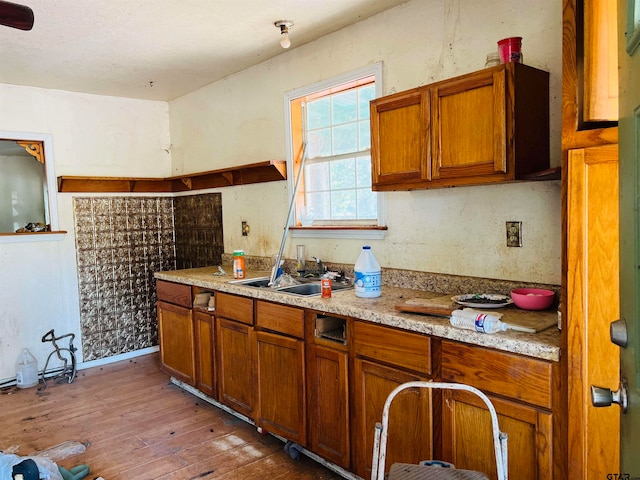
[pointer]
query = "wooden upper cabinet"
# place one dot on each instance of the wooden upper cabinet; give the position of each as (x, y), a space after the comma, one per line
(489, 126)
(469, 126)
(400, 149)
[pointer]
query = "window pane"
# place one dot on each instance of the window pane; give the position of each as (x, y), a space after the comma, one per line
(316, 177)
(319, 113)
(343, 205)
(345, 139)
(320, 202)
(345, 107)
(365, 135)
(363, 168)
(365, 95)
(367, 204)
(319, 143)
(343, 174)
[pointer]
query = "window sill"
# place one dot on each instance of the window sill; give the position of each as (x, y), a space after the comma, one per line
(356, 231)
(32, 237)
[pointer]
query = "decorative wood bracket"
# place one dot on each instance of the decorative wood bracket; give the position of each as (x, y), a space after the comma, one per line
(34, 149)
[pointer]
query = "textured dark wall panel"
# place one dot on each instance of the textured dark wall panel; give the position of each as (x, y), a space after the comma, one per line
(198, 225)
(120, 243)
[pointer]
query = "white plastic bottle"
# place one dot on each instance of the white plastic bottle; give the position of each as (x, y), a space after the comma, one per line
(368, 282)
(480, 322)
(26, 370)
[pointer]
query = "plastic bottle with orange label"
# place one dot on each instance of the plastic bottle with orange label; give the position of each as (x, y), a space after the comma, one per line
(238, 264)
(326, 282)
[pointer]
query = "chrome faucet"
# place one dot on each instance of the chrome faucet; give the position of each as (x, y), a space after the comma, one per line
(320, 266)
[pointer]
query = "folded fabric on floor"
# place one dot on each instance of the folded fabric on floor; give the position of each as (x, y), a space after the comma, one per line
(48, 470)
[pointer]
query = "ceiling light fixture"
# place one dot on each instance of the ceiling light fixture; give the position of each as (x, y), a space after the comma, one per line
(284, 26)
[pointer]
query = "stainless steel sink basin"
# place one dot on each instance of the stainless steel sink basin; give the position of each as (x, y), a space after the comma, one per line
(309, 286)
(310, 289)
(260, 282)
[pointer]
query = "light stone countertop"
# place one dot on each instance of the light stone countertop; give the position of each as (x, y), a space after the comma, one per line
(543, 345)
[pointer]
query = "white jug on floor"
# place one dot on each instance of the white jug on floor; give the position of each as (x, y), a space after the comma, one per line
(26, 370)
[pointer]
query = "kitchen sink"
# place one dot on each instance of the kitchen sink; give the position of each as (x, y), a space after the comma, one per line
(308, 288)
(260, 282)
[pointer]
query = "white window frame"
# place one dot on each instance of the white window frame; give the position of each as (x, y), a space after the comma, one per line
(345, 232)
(52, 189)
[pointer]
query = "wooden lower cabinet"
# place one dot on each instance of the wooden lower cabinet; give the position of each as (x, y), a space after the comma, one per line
(468, 443)
(523, 392)
(321, 381)
(328, 404)
(234, 354)
(176, 337)
(410, 438)
(281, 398)
(204, 329)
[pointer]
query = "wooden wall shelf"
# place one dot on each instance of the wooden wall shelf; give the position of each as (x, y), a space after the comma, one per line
(269, 171)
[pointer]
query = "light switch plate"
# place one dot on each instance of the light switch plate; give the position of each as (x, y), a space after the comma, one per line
(514, 234)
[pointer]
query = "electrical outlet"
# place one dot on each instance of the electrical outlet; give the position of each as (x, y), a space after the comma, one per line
(514, 234)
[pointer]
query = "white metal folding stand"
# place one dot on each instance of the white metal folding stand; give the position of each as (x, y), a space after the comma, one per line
(380, 439)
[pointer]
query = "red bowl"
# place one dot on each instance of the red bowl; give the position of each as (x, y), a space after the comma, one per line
(532, 298)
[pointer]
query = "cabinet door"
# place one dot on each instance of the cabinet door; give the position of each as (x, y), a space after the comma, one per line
(468, 441)
(175, 329)
(204, 341)
(281, 407)
(328, 394)
(234, 354)
(400, 147)
(410, 437)
(469, 126)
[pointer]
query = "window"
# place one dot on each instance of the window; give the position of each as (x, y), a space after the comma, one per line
(27, 184)
(334, 191)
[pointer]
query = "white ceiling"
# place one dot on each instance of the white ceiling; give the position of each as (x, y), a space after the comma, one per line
(160, 49)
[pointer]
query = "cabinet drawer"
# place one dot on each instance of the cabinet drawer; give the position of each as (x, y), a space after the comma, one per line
(280, 318)
(176, 293)
(521, 378)
(234, 307)
(395, 347)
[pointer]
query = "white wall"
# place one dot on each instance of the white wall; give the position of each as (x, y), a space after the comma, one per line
(92, 135)
(460, 231)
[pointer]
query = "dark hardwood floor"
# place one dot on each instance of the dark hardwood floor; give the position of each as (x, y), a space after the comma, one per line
(139, 426)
